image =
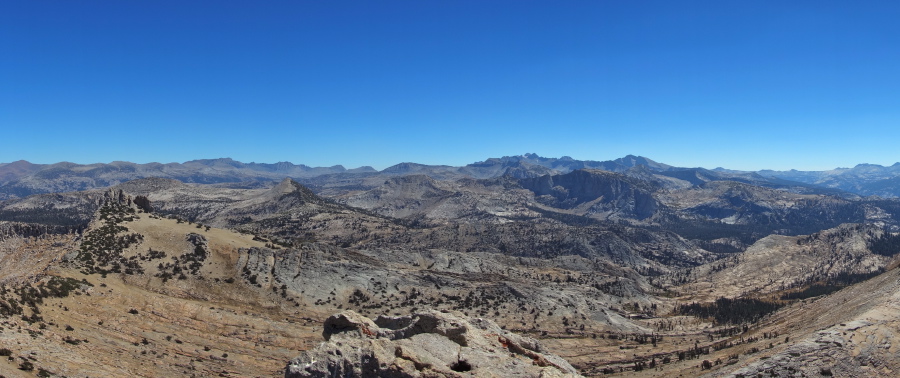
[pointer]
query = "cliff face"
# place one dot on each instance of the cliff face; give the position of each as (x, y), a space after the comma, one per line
(596, 191)
(425, 344)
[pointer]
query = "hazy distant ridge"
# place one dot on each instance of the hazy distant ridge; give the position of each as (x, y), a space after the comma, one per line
(863, 179)
(22, 178)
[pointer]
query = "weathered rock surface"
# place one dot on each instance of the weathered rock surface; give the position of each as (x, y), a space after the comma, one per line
(425, 344)
(477, 284)
(847, 334)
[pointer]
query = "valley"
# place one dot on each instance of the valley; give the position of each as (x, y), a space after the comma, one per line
(622, 268)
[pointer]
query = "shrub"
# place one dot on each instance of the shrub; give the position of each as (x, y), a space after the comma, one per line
(26, 366)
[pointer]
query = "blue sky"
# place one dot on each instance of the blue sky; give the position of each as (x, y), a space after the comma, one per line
(740, 84)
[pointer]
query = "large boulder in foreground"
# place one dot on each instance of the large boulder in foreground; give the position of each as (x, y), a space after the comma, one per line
(426, 344)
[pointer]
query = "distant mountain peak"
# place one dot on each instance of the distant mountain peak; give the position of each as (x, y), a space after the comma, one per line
(632, 160)
(212, 161)
(405, 167)
(28, 163)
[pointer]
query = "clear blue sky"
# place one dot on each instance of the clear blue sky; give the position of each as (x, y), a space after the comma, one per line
(739, 84)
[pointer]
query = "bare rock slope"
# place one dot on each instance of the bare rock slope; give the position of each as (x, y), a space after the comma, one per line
(847, 334)
(425, 344)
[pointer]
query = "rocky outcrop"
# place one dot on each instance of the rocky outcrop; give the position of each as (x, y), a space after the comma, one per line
(426, 344)
(836, 351)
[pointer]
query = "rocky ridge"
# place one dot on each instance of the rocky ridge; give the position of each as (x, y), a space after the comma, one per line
(424, 344)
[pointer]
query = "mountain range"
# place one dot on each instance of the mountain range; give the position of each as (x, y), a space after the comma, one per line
(546, 265)
(21, 178)
(863, 179)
